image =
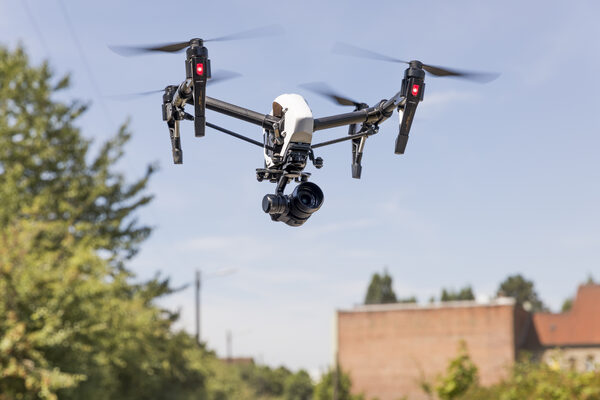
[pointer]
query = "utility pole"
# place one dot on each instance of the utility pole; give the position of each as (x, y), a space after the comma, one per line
(198, 278)
(229, 346)
(197, 286)
(336, 378)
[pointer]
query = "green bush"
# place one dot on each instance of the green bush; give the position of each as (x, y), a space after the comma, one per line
(527, 380)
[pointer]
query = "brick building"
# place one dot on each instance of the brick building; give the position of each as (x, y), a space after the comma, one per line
(390, 349)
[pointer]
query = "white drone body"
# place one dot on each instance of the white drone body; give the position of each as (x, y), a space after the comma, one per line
(296, 127)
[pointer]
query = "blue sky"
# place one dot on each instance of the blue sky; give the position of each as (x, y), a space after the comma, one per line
(497, 179)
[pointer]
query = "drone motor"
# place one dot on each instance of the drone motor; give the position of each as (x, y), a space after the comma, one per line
(197, 68)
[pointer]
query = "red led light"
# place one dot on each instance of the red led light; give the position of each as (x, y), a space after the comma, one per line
(415, 90)
(200, 69)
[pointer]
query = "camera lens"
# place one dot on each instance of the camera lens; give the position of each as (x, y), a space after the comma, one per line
(274, 204)
(306, 199)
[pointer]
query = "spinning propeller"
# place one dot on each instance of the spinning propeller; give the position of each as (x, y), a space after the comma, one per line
(271, 30)
(354, 51)
(326, 91)
(216, 77)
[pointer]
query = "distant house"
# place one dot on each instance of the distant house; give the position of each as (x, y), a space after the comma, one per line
(389, 350)
(572, 338)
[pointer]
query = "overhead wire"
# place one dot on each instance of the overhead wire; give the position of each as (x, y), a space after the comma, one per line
(35, 25)
(108, 117)
(86, 64)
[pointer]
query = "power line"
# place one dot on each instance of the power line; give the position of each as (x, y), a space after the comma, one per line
(36, 27)
(85, 63)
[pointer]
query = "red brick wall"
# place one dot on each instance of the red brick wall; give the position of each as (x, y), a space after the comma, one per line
(388, 353)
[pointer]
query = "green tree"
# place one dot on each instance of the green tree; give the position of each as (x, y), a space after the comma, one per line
(522, 290)
(567, 305)
(407, 300)
(298, 386)
(380, 290)
(44, 160)
(67, 329)
(265, 381)
(461, 375)
(465, 293)
(342, 383)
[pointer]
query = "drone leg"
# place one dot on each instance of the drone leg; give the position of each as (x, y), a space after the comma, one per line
(355, 144)
(175, 141)
(358, 146)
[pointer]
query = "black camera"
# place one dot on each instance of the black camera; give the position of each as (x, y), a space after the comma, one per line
(294, 209)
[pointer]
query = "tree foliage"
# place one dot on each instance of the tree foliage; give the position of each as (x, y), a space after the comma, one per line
(567, 305)
(335, 379)
(45, 163)
(465, 293)
(527, 380)
(73, 328)
(407, 300)
(380, 290)
(298, 386)
(461, 375)
(531, 380)
(264, 380)
(277, 383)
(522, 290)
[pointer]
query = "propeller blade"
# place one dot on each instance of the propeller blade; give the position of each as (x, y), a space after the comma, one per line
(263, 31)
(482, 77)
(216, 77)
(129, 51)
(354, 51)
(326, 91)
(221, 76)
(131, 96)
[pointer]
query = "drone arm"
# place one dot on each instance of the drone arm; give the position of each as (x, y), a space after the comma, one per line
(376, 114)
(334, 121)
(265, 121)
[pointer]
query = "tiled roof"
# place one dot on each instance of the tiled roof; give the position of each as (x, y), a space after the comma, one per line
(579, 326)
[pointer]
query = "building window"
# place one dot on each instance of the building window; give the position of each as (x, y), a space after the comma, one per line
(589, 363)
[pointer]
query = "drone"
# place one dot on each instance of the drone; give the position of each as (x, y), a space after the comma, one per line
(289, 127)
